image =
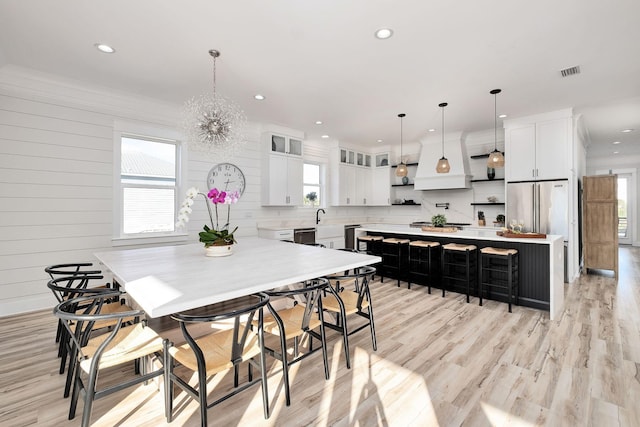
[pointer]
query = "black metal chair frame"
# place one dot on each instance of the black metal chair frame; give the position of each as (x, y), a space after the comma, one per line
(507, 266)
(79, 316)
(423, 266)
(65, 288)
(360, 278)
(452, 258)
(311, 293)
(241, 331)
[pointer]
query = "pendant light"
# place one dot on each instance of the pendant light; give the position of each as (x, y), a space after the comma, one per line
(401, 170)
(443, 163)
(496, 159)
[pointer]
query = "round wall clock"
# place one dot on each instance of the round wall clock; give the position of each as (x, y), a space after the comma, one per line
(226, 177)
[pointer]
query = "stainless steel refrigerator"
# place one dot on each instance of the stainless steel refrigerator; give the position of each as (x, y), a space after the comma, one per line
(543, 206)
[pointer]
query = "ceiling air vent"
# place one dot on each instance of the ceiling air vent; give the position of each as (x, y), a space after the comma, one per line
(570, 71)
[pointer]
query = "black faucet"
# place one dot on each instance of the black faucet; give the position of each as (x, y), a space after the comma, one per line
(318, 215)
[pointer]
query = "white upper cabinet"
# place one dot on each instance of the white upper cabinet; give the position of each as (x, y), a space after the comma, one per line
(282, 171)
(537, 149)
(356, 181)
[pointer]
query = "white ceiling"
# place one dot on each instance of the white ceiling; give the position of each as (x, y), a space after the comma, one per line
(318, 59)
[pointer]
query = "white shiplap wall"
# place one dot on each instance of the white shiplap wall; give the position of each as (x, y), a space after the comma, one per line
(56, 180)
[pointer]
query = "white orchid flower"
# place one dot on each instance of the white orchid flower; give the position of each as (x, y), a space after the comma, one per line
(192, 192)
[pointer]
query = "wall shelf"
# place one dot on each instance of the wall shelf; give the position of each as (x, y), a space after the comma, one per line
(402, 185)
(487, 180)
(406, 204)
(482, 156)
(488, 204)
(412, 164)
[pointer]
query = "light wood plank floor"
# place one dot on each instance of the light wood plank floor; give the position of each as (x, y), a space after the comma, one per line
(440, 362)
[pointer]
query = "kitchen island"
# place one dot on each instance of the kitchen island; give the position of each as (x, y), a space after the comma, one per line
(541, 260)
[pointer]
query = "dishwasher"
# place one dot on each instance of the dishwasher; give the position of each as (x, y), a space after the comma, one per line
(306, 236)
(349, 236)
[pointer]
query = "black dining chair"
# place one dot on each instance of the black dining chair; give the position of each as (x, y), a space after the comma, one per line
(300, 317)
(237, 338)
(123, 343)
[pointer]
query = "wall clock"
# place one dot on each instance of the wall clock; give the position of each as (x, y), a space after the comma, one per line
(226, 177)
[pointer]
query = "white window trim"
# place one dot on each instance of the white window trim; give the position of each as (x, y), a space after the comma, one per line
(151, 131)
(323, 188)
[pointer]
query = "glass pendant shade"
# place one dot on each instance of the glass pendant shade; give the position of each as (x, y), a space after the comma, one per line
(401, 170)
(443, 165)
(496, 159)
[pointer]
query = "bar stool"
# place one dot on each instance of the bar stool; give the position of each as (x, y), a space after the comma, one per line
(393, 260)
(373, 246)
(422, 263)
(499, 269)
(460, 264)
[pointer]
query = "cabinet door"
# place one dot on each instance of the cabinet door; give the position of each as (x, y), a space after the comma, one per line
(294, 181)
(295, 147)
(363, 186)
(277, 184)
(347, 185)
(552, 146)
(380, 186)
(520, 153)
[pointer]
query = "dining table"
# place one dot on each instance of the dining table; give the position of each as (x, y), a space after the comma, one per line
(163, 280)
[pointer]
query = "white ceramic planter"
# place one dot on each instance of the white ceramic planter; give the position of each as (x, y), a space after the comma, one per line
(225, 250)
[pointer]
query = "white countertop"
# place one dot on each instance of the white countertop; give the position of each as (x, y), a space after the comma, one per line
(169, 279)
(489, 234)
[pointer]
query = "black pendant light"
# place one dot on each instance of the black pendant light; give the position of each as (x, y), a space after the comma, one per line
(496, 159)
(443, 164)
(401, 170)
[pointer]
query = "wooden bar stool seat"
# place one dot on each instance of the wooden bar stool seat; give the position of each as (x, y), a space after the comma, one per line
(422, 262)
(499, 269)
(394, 257)
(459, 265)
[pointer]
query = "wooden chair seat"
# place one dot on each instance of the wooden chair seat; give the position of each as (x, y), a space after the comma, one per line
(424, 244)
(130, 343)
(350, 301)
(292, 319)
(458, 247)
(394, 240)
(370, 238)
(216, 348)
(498, 251)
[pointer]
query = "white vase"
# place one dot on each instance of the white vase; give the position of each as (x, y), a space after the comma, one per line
(223, 250)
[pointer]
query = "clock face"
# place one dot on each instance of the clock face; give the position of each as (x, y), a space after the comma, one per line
(226, 177)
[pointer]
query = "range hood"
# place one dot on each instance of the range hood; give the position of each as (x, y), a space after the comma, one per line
(455, 150)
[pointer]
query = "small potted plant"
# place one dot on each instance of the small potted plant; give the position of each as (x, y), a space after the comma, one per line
(499, 222)
(438, 220)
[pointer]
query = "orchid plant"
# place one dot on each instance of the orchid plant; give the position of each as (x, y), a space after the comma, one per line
(214, 235)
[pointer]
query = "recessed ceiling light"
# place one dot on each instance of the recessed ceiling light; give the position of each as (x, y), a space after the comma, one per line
(104, 48)
(379, 140)
(383, 33)
(627, 130)
(616, 142)
(259, 97)
(502, 116)
(432, 130)
(319, 122)
(616, 152)
(325, 136)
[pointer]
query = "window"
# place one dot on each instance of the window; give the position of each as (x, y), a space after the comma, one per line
(311, 185)
(148, 186)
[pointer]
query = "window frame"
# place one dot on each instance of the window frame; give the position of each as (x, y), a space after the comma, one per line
(153, 133)
(321, 184)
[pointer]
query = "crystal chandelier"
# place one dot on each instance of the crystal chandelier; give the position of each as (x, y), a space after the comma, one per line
(212, 124)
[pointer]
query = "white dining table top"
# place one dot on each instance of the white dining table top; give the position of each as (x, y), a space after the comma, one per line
(169, 279)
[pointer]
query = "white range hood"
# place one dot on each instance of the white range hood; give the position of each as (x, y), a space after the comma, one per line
(456, 151)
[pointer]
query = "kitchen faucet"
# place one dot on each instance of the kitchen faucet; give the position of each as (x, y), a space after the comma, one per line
(318, 215)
